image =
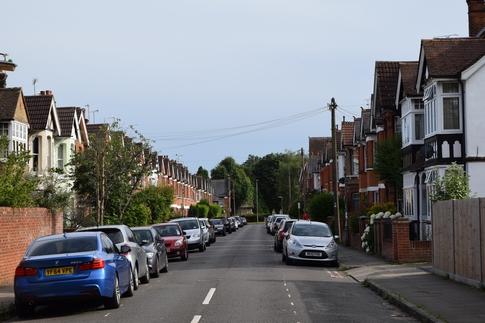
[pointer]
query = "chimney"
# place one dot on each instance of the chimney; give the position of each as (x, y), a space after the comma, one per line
(48, 92)
(476, 17)
(3, 80)
(42, 92)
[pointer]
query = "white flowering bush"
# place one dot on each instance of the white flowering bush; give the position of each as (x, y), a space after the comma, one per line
(388, 212)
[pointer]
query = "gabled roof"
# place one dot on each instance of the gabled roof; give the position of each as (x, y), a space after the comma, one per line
(385, 84)
(96, 129)
(407, 80)
(67, 120)
(9, 99)
(42, 111)
(448, 57)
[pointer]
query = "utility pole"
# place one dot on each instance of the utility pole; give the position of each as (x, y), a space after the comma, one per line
(303, 181)
(289, 191)
(333, 107)
(257, 206)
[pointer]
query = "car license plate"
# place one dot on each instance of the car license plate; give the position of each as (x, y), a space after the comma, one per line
(313, 254)
(59, 271)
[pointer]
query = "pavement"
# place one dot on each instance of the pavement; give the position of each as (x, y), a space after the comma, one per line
(412, 287)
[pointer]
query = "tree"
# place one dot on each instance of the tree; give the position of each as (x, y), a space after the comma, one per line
(240, 182)
(321, 206)
(108, 173)
(388, 162)
(202, 172)
(16, 185)
(158, 199)
(287, 178)
(265, 170)
(454, 185)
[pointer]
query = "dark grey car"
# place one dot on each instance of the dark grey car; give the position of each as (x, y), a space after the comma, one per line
(155, 248)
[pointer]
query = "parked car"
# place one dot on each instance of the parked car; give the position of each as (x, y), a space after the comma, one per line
(175, 240)
(232, 222)
(219, 226)
(275, 221)
(209, 233)
(268, 222)
(236, 223)
(193, 232)
(281, 233)
(72, 267)
(227, 223)
(310, 241)
(155, 249)
(244, 220)
(239, 219)
(122, 235)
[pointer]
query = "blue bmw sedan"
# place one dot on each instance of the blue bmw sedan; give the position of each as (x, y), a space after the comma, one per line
(70, 267)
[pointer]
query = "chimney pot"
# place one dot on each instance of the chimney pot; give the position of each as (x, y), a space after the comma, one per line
(42, 92)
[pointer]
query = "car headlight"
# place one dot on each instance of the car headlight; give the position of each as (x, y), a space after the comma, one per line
(150, 254)
(294, 242)
(195, 236)
(178, 242)
(331, 244)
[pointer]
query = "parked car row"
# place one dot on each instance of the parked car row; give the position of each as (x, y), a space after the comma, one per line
(101, 263)
(303, 240)
(107, 262)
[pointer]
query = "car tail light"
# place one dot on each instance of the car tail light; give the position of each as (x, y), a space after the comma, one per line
(282, 233)
(25, 271)
(96, 263)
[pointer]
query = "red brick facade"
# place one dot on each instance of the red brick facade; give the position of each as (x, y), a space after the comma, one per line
(18, 228)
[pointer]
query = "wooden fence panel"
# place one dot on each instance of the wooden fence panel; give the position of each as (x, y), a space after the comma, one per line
(442, 233)
(467, 238)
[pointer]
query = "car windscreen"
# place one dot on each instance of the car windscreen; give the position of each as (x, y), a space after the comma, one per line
(311, 230)
(58, 246)
(168, 230)
(188, 224)
(217, 221)
(143, 235)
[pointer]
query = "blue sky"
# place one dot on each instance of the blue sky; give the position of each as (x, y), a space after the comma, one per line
(210, 79)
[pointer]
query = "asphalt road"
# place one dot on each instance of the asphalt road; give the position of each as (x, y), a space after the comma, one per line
(239, 279)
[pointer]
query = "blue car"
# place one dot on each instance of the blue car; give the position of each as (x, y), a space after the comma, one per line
(72, 267)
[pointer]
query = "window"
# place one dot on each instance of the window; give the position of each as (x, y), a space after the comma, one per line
(430, 109)
(419, 126)
(451, 113)
(355, 201)
(35, 153)
(60, 156)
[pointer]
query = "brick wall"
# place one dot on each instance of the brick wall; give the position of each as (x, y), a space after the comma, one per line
(18, 228)
(400, 248)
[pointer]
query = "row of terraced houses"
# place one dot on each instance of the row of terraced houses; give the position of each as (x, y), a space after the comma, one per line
(436, 103)
(52, 133)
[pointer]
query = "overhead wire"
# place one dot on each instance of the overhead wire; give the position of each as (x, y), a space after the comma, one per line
(205, 136)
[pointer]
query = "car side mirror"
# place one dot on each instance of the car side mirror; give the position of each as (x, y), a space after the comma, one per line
(287, 235)
(125, 249)
(184, 233)
(144, 242)
(161, 240)
(336, 238)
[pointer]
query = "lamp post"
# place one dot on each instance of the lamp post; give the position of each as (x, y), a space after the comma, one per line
(281, 200)
(257, 208)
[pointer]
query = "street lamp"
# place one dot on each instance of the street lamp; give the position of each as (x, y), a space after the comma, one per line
(281, 200)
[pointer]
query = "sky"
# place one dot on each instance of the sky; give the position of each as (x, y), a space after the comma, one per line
(206, 80)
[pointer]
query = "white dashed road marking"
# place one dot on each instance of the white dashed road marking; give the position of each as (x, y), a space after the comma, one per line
(209, 296)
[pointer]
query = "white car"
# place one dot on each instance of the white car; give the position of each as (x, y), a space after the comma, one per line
(310, 241)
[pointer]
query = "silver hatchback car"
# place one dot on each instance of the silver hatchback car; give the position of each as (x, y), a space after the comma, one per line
(310, 241)
(121, 235)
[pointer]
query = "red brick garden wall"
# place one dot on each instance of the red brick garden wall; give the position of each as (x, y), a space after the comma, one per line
(400, 248)
(18, 228)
